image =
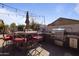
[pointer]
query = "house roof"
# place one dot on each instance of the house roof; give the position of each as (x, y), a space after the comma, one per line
(64, 21)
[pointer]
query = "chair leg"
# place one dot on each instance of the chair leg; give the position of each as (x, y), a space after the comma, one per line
(3, 47)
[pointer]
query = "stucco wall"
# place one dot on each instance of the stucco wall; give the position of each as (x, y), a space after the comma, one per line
(69, 28)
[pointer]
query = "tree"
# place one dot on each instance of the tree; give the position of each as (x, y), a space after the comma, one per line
(20, 27)
(1, 24)
(34, 25)
(7, 29)
(13, 27)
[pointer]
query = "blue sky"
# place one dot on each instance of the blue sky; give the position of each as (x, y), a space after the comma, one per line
(51, 11)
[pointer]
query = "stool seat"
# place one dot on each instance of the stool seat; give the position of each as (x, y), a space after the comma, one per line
(38, 37)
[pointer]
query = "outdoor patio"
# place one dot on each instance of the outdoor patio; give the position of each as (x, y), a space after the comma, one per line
(31, 37)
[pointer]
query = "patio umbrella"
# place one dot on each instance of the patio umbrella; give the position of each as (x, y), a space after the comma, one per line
(27, 20)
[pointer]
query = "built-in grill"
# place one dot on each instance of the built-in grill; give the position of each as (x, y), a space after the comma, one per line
(59, 36)
(58, 33)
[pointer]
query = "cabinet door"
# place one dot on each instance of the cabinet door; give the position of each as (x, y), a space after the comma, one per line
(57, 42)
(73, 43)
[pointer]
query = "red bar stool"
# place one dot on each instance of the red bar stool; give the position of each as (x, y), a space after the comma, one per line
(6, 39)
(19, 42)
(30, 41)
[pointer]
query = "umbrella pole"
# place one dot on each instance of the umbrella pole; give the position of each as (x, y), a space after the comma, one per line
(3, 31)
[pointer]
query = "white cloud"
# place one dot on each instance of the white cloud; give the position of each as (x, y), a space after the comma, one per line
(59, 9)
(9, 16)
(76, 9)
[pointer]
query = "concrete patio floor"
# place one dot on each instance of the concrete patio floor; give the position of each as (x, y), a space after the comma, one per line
(44, 50)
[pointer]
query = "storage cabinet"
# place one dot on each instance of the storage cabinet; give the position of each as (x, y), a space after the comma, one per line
(73, 43)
